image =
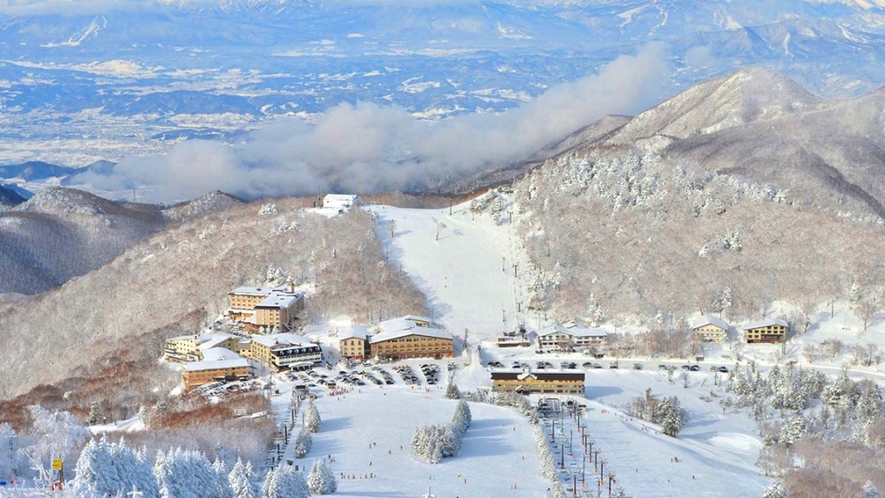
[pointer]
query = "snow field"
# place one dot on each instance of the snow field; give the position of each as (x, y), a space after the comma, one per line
(371, 432)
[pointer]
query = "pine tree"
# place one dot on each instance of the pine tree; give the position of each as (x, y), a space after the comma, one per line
(670, 416)
(312, 418)
(869, 403)
(285, 482)
(268, 487)
(222, 486)
(793, 430)
(303, 442)
(775, 490)
(321, 481)
(185, 474)
(870, 491)
(241, 480)
(452, 391)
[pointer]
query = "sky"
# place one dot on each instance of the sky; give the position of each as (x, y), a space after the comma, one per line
(368, 147)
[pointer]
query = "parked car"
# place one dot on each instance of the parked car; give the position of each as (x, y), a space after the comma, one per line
(722, 370)
(662, 367)
(695, 368)
(613, 365)
(637, 366)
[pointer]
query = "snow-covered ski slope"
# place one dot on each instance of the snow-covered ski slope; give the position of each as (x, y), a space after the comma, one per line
(468, 274)
(370, 432)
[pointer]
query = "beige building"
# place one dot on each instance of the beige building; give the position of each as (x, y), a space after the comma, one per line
(191, 347)
(773, 330)
(410, 337)
(266, 307)
(710, 329)
(181, 349)
(286, 351)
(539, 382)
(353, 342)
(572, 335)
(220, 364)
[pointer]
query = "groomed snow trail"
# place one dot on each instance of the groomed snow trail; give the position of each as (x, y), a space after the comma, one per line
(468, 274)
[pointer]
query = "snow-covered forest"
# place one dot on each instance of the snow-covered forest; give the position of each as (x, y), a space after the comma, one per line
(616, 234)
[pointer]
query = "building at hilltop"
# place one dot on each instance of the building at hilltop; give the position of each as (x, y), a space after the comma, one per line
(538, 381)
(401, 338)
(341, 202)
(772, 330)
(270, 308)
(710, 329)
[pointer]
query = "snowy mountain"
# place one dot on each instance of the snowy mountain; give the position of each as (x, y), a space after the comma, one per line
(60, 233)
(110, 80)
(9, 198)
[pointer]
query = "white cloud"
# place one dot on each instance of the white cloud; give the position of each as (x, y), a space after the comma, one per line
(368, 147)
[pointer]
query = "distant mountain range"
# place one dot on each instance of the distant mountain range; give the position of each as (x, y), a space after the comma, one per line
(85, 81)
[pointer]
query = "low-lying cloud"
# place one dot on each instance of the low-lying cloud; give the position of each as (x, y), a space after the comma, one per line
(368, 147)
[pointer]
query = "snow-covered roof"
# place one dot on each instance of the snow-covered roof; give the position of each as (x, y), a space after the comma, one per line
(396, 325)
(280, 299)
(710, 320)
(344, 197)
(183, 337)
(210, 341)
(217, 358)
(353, 331)
(765, 323)
(573, 329)
(196, 366)
(219, 354)
(417, 318)
(252, 291)
(285, 339)
(396, 331)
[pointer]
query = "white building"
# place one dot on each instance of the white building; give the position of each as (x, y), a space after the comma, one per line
(571, 335)
(286, 351)
(341, 201)
(710, 329)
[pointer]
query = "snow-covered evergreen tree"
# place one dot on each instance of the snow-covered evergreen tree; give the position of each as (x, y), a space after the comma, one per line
(869, 403)
(793, 430)
(284, 482)
(222, 486)
(462, 419)
(775, 490)
(303, 442)
(312, 418)
(185, 474)
(321, 481)
(242, 480)
(106, 469)
(452, 391)
(870, 491)
(670, 416)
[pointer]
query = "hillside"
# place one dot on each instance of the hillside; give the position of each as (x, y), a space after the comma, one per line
(733, 194)
(178, 279)
(9, 198)
(761, 127)
(60, 233)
